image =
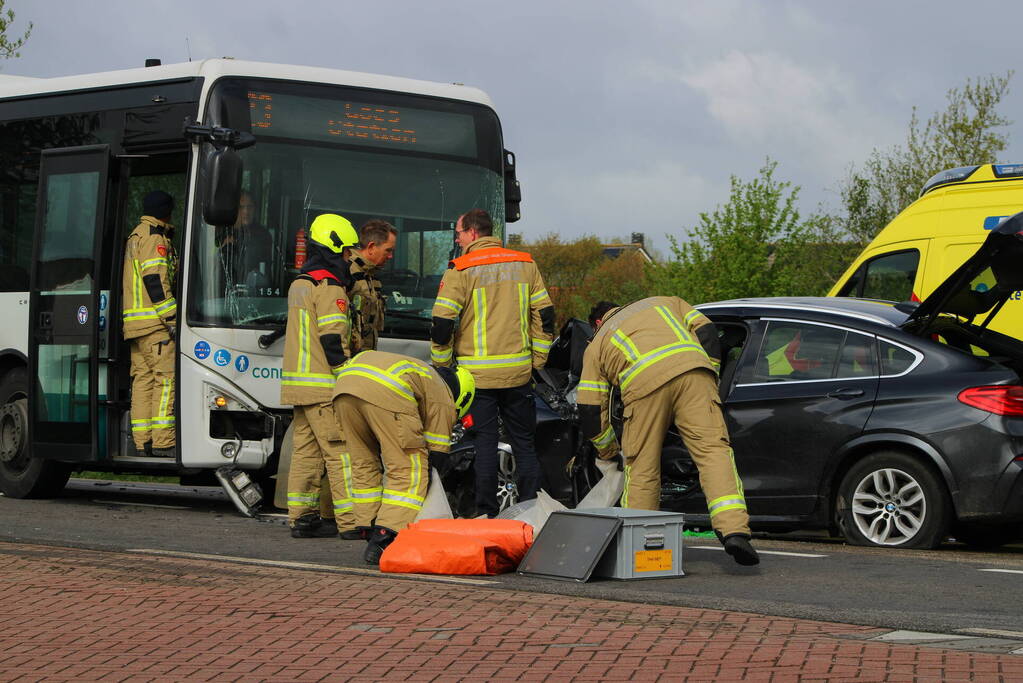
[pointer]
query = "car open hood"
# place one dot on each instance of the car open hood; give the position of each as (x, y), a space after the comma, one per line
(982, 284)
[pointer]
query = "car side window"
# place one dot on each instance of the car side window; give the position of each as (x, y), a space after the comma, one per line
(895, 359)
(891, 277)
(859, 357)
(795, 351)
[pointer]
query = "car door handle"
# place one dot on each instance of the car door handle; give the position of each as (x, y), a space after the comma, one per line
(847, 392)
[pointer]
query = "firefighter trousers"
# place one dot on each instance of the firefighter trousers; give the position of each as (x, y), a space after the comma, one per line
(691, 400)
(390, 471)
(152, 390)
(317, 446)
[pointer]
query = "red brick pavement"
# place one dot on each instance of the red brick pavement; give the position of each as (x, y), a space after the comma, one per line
(68, 614)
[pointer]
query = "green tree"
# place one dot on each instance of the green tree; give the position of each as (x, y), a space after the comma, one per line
(965, 133)
(9, 46)
(754, 245)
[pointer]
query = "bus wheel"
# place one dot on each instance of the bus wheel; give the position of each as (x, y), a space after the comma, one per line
(22, 476)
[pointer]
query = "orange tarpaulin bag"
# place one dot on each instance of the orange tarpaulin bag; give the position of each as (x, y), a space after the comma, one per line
(458, 546)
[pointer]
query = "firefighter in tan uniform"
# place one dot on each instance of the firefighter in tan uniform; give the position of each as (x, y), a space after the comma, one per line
(377, 238)
(494, 318)
(149, 315)
(316, 346)
(664, 356)
(395, 410)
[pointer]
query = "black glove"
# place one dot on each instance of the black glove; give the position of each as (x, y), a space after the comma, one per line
(435, 459)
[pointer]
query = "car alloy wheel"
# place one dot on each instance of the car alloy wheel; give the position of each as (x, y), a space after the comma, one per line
(889, 507)
(892, 499)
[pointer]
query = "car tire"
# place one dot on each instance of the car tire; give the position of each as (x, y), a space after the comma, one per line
(891, 499)
(22, 476)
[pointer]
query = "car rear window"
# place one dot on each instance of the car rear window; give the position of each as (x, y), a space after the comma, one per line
(894, 359)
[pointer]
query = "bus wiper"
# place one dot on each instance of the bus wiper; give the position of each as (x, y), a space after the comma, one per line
(267, 340)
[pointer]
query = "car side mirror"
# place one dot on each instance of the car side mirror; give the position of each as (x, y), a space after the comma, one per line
(223, 187)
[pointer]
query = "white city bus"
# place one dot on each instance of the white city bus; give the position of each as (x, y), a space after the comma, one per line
(79, 153)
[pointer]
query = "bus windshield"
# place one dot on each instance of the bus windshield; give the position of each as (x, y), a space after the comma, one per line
(413, 161)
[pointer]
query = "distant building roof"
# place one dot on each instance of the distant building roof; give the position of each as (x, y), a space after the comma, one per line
(615, 250)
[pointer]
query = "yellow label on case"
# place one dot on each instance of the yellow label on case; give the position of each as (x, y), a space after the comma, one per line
(653, 560)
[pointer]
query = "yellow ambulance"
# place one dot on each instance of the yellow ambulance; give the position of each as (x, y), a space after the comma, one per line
(934, 235)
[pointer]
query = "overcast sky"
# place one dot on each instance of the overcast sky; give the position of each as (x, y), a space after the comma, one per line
(624, 116)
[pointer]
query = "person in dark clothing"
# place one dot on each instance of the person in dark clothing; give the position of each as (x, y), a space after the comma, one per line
(246, 248)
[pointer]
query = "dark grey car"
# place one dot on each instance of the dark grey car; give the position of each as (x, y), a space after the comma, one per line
(896, 424)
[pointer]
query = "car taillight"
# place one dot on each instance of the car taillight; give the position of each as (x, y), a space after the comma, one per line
(1003, 399)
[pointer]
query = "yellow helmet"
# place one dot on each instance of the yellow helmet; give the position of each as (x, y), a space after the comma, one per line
(462, 385)
(334, 232)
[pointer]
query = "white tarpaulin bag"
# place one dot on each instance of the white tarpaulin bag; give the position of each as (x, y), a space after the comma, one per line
(608, 490)
(436, 505)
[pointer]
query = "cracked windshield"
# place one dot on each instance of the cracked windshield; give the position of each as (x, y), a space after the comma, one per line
(417, 163)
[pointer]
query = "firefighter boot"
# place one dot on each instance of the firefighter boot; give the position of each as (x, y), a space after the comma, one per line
(359, 533)
(380, 538)
(739, 547)
(312, 526)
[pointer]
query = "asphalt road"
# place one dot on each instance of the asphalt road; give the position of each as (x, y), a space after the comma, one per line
(950, 590)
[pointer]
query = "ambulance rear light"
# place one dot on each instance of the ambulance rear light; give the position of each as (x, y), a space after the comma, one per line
(952, 175)
(1008, 170)
(1001, 399)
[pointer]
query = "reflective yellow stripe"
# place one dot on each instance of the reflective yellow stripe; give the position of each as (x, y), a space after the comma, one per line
(152, 263)
(649, 359)
(168, 304)
(541, 344)
(403, 495)
(539, 296)
(604, 439)
(449, 303)
(437, 439)
(332, 318)
(307, 379)
(303, 341)
(674, 324)
(508, 360)
(524, 313)
(417, 476)
(625, 345)
(140, 314)
(395, 384)
(439, 356)
(479, 305)
(691, 316)
(599, 387)
(165, 397)
(736, 506)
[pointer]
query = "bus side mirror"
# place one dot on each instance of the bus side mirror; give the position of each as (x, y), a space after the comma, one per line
(512, 190)
(223, 187)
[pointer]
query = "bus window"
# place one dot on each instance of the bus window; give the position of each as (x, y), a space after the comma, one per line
(419, 183)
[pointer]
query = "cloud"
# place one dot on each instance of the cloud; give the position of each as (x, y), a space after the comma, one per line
(657, 199)
(767, 98)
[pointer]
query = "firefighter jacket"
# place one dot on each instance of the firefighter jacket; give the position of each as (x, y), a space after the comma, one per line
(149, 265)
(405, 385)
(368, 304)
(639, 348)
(316, 339)
(492, 316)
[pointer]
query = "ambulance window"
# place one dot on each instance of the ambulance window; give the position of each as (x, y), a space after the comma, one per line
(891, 277)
